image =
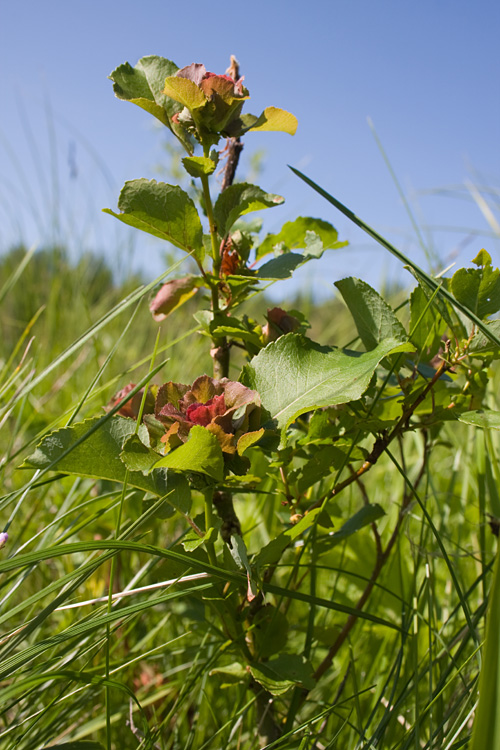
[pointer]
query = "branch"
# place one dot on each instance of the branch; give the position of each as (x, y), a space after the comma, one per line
(384, 440)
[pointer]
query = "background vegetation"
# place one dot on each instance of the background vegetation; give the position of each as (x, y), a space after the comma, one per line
(414, 686)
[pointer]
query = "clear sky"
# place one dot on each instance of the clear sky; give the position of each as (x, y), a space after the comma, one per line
(427, 73)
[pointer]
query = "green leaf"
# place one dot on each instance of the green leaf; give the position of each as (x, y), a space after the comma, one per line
(136, 456)
(272, 551)
(269, 630)
(374, 319)
(478, 288)
(282, 672)
(143, 85)
(294, 375)
(482, 418)
(224, 325)
(281, 267)
(248, 439)
(240, 199)
(273, 118)
(131, 84)
(366, 515)
(198, 166)
(192, 541)
(486, 730)
(238, 551)
(165, 211)
(481, 344)
(425, 324)
(92, 449)
(201, 454)
(293, 235)
(179, 492)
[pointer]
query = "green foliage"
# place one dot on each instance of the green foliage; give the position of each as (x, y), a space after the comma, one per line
(165, 211)
(239, 200)
(293, 552)
(295, 375)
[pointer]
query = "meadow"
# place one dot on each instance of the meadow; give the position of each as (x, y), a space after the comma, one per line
(316, 579)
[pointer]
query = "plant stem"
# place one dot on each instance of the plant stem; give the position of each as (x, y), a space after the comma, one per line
(220, 349)
(209, 523)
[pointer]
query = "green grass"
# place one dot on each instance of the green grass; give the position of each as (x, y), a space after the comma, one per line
(147, 670)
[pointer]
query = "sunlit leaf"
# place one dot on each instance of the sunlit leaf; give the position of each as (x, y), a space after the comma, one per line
(165, 211)
(294, 375)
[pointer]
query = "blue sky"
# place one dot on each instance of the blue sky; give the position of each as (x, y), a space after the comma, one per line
(426, 73)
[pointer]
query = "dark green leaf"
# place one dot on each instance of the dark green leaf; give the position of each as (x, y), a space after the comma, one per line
(374, 319)
(238, 551)
(96, 456)
(282, 672)
(481, 344)
(136, 456)
(197, 166)
(271, 552)
(367, 515)
(238, 200)
(165, 211)
(143, 85)
(270, 631)
(478, 288)
(425, 324)
(281, 267)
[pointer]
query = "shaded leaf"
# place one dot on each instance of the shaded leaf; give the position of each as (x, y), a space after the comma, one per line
(282, 672)
(92, 449)
(425, 324)
(364, 517)
(238, 551)
(143, 85)
(374, 318)
(172, 295)
(240, 199)
(197, 166)
(480, 344)
(281, 267)
(136, 456)
(478, 288)
(271, 552)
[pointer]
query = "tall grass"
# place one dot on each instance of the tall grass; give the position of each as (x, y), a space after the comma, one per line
(155, 651)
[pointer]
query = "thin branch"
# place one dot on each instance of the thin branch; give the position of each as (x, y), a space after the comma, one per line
(384, 440)
(382, 557)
